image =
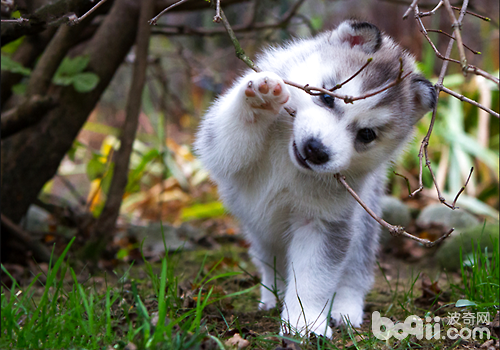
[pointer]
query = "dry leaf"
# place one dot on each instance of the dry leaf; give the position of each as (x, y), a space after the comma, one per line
(237, 341)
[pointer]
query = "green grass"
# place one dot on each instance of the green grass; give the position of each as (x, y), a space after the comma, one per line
(77, 316)
(156, 307)
(480, 272)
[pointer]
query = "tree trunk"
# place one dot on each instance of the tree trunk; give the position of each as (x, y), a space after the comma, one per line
(31, 157)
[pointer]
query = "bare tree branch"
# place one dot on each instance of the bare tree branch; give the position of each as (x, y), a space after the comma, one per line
(86, 14)
(456, 31)
(25, 115)
(349, 99)
(252, 25)
(451, 37)
(467, 68)
(217, 17)
(153, 20)
(395, 231)
(425, 142)
(26, 54)
(462, 189)
(32, 157)
(19, 20)
(50, 13)
(41, 77)
(40, 252)
(240, 53)
(472, 102)
(484, 18)
(106, 222)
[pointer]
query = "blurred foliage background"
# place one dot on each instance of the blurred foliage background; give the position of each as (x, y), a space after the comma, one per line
(191, 61)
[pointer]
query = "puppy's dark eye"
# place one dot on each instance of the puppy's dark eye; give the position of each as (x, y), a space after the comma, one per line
(327, 100)
(366, 135)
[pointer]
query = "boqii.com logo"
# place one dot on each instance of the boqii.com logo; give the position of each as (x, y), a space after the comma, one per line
(383, 328)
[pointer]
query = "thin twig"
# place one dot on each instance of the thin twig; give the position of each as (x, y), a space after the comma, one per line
(468, 68)
(487, 19)
(433, 11)
(412, 7)
(86, 14)
(472, 102)
(479, 71)
(311, 90)
(19, 20)
(217, 17)
(240, 53)
(407, 181)
(462, 189)
(425, 141)
(338, 86)
(456, 25)
(423, 30)
(452, 37)
(281, 23)
(395, 231)
(153, 20)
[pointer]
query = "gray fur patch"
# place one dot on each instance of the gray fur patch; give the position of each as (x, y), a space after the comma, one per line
(380, 73)
(371, 230)
(209, 135)
(338, 239)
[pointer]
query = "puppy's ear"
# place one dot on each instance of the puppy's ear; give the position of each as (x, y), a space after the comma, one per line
(424, 96)
(363, 35)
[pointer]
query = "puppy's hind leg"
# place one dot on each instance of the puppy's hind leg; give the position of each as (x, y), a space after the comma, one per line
(271, 265)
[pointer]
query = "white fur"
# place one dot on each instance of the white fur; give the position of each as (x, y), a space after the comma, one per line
(310, 240)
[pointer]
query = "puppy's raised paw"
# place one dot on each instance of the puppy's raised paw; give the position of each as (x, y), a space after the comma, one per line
(266, 91)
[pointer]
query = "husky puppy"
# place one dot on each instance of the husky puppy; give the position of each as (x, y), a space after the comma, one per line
(313, 243)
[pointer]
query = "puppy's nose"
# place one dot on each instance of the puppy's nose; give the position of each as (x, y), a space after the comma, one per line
(315, 152)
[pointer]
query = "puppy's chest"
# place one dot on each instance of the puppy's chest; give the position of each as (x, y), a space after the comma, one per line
(274, 190)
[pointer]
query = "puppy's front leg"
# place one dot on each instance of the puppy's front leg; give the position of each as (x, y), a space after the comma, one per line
(232, 135)
(312, 280)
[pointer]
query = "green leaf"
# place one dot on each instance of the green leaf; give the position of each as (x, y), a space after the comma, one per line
(74, 147)
(101, 129)
(317, 22)
(62, 80)
(70, 72)
(464, 302)
(95, 167)
(85, 82)
(108, 176)
(73, 66)
(19, 89)
(12, 66)
(122, 253)
(202, 211)
(135, 174)
(13, 45)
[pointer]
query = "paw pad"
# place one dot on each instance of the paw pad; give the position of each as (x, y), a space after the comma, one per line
(266, 91)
